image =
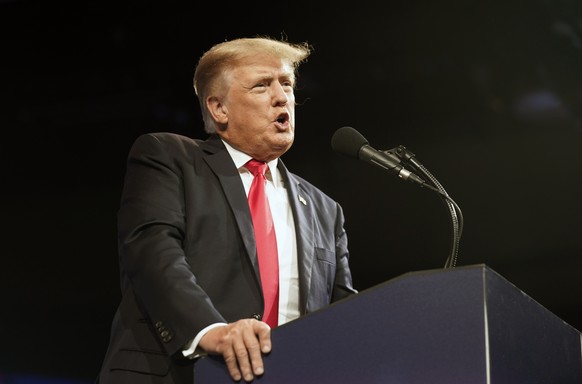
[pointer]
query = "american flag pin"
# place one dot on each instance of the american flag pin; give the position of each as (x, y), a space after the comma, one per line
(302, 200)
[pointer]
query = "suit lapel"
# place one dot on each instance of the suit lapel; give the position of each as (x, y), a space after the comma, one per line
(223, 167)
(302, 208)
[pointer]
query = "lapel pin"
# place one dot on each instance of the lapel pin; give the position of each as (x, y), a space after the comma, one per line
(302, 200)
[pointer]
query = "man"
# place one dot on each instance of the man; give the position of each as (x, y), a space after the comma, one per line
(191, 277)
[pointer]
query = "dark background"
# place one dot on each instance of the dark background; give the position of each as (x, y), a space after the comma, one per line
(487, 94)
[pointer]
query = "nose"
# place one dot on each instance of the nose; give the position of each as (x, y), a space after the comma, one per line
(281, 95)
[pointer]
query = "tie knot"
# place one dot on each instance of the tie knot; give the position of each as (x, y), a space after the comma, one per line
(256, 167)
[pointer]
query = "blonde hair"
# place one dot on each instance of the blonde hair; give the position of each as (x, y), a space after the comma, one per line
(215, 62)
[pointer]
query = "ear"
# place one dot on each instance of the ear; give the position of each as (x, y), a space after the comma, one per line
(217, 109)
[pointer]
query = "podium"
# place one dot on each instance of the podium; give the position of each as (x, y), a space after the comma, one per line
(465, 325)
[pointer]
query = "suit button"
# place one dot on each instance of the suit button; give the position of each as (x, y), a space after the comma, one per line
(256, 316)
(164, 334)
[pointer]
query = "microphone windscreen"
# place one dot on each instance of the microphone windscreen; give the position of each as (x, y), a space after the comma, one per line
(348, 141)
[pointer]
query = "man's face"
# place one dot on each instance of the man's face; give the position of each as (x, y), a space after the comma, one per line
(258, 110)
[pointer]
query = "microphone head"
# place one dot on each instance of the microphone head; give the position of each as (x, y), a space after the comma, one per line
(348, 141)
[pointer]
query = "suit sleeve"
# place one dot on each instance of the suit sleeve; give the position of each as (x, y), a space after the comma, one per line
(343, 277)
(151, 223)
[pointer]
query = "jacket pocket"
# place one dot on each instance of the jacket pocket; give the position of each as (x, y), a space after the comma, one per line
(322, 254)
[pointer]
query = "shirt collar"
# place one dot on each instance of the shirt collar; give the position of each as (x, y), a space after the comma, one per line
(241, 158)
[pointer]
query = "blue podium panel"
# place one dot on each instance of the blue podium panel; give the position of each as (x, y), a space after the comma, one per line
(461, 325)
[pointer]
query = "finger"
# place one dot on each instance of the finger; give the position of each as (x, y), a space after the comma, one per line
(242, 358)
(264, 334)
(232, 364)
(254, 349)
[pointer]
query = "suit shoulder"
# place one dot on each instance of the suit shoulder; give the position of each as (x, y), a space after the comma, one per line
(167, 138)
(164, 141)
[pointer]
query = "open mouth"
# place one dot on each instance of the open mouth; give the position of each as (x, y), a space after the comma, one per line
(282, 118)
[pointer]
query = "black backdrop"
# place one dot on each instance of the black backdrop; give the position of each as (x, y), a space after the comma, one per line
(487, 94)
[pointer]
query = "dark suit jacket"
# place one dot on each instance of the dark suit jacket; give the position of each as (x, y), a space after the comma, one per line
(188, 259)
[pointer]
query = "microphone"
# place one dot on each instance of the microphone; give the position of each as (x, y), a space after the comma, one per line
(349, 142)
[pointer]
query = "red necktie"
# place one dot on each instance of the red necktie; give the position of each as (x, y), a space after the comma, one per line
(266, 241)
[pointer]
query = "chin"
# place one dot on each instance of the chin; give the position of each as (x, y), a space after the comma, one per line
(279, 148)
(286, 145)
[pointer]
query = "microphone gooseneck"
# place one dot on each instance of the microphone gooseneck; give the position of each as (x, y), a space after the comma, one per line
(456, 215)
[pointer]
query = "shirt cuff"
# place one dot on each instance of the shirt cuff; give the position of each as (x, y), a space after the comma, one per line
(192, 351)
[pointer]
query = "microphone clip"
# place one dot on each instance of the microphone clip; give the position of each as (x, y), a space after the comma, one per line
(402, 153)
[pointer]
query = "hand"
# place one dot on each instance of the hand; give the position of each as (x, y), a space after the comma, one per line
(241, 344)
